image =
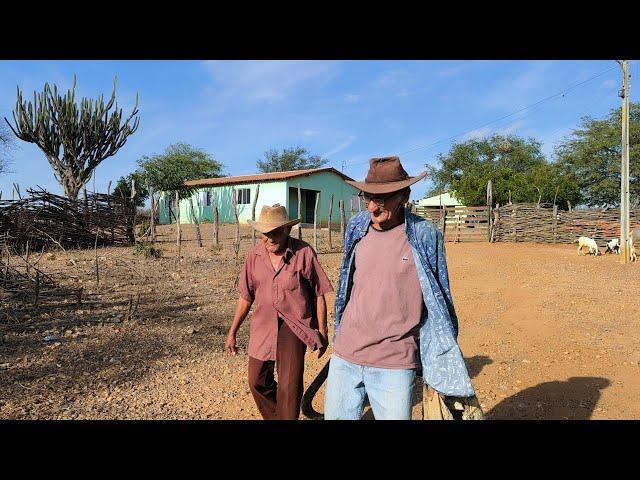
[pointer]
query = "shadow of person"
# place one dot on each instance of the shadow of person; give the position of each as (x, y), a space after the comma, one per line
(476, 363)
(574, 399)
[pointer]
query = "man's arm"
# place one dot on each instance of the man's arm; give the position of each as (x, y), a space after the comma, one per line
(242, 309)
(321, 312)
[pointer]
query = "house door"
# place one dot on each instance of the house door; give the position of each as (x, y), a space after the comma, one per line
(310, 203)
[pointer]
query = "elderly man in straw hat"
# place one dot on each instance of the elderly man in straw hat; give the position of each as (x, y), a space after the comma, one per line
(284, 279)
(394, 312)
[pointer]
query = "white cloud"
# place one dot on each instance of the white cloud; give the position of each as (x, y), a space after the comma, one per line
(310, 133)
(477, 133)
(352, 98)
(395, 82)
(509, 129)
(609, 84)
(266, 80)
(519, 91)
(340, 147)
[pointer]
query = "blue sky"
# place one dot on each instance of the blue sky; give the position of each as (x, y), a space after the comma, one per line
(346, 111)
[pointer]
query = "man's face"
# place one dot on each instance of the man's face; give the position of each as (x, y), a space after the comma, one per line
(391, 206)
(276, 240)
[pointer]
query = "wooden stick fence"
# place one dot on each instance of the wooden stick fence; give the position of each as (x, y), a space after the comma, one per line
(43, 219)
(527, 222)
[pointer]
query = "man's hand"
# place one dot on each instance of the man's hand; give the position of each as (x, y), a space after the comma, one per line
(431, 392)
(230, 344)
(325, 344)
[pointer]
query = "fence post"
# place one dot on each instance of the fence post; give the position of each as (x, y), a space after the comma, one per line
(215, 223)
(342, 218)
(236, 243)
(253, 213)
(152, 223)
(195, 221)
(109, 205)
(315, 223)
(489, 215)
(444, 222)
(555, 223)
(299, 213)
(329, 223)
(179, 232)
(496, 221)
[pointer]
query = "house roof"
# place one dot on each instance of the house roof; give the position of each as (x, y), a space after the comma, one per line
(262, 177)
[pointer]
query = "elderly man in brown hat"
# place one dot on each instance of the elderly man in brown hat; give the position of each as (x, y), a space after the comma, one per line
(394, 313)
(283, 278)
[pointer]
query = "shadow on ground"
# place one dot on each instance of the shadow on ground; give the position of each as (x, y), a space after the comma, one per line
(574, 399)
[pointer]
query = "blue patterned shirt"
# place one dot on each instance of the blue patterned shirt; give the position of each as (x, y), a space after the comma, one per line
(443, 366)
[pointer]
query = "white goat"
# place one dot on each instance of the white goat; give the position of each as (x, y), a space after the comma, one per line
(613, 246)
(590, 243)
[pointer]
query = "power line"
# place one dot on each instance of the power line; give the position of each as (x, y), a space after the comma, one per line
(562, 93)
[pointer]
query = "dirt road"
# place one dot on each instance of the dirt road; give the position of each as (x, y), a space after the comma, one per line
(546, 334)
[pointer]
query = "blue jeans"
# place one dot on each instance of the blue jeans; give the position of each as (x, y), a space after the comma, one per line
(390, 391)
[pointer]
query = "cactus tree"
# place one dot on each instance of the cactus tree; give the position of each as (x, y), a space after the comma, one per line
(74, 138)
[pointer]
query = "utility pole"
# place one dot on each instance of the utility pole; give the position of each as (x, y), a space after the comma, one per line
(625, 251)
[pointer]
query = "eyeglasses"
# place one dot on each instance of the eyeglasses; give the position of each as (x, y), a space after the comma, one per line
(378, 200)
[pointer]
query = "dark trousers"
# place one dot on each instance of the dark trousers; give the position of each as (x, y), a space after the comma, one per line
(281, 400)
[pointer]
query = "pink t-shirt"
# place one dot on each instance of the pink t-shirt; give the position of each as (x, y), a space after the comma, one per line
(380, 324)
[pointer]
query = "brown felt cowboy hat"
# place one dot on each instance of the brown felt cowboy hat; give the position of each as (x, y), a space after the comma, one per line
(386, 175)
(272, 218)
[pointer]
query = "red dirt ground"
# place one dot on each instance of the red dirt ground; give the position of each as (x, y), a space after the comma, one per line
(546, 334)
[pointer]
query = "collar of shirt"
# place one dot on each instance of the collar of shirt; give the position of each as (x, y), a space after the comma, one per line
(288, 253)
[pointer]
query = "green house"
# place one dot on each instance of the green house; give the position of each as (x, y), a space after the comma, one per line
(276, 187)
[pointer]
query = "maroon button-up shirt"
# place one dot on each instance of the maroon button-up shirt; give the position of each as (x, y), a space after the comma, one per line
(289, 293)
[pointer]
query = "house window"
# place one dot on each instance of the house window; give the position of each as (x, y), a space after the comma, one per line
(243, 196)
(208, 199)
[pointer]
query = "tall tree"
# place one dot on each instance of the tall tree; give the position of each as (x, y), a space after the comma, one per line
(295, 158)
(513, 164)
(123, 188)
(178, 163)
(75, 138)
(593, 153)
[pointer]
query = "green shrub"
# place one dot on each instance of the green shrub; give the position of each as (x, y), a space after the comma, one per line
(147, 250)
(143, 227)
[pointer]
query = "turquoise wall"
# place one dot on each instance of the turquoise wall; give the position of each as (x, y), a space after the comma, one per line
(326, 183)
(270, 193)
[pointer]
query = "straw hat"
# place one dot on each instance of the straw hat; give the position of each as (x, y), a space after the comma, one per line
(272, 218)
(386, 175)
